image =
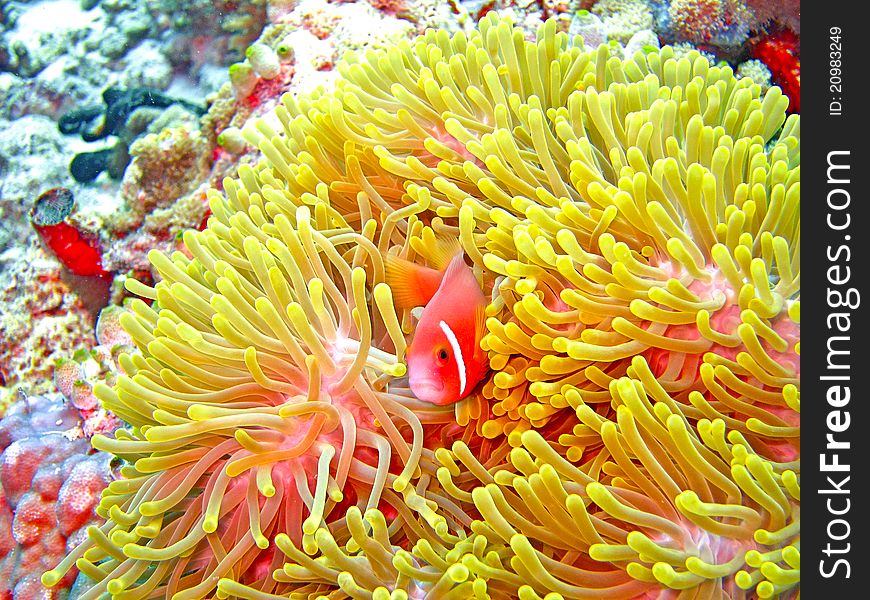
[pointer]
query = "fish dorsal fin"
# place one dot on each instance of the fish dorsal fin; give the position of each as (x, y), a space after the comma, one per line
(457, 269)
(412, 284)
(439, 249)
(479, 325)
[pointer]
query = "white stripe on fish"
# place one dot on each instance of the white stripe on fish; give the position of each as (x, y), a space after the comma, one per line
(457, 351)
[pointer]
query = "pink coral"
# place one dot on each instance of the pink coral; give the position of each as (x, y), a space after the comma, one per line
(109, 330)
(75, 377)
(78, 496)
(49, 488)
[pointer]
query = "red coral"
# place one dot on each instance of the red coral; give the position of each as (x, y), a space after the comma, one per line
(781, 52)
(79, 254)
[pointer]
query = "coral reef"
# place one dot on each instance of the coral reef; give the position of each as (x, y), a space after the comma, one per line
(644, 40)
(125, 114)
(50, 485)
(60, 56)
(784, 12)
(43, 320)
(724, 24)
(165, 167)
(636, 224)
(590, 27)
(424, 13)
(222, 28)
(39, 36)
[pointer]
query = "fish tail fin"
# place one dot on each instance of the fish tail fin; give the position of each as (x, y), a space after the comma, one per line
(412, 284)
(438, 249)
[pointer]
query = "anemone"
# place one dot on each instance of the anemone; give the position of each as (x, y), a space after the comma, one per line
(636, 223)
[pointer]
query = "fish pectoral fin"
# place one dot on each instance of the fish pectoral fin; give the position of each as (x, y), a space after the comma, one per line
(412, 284)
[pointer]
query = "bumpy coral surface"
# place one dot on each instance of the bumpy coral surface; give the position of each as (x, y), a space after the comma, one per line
(724, 23)
(636, 225)
(49, 487)
(165, 166)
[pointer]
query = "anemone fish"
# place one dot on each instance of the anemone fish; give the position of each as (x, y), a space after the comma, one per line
(445, 360)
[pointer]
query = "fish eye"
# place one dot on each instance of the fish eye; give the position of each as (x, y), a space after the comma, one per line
(442, 354)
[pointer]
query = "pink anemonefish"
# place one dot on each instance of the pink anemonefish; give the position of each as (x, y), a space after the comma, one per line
(444, 359)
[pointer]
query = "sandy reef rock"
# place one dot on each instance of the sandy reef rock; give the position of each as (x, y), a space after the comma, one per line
(31, 156)
(44, 31)
(66, 51)
(146, 66)
(360, 26)
(63, 53)
(321, 32)
(641, 41)
(590, 27)
(43, 320)
(623, 18)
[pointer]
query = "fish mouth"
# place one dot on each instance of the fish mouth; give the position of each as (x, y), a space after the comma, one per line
(428, 390)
